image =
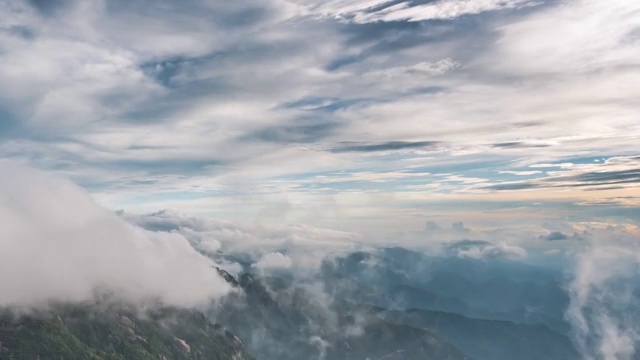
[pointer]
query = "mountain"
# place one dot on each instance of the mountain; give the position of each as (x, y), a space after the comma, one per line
(490, 339)
(497, 310)
(409, 297)
(397, 278)
(280, 320)
(84, 333)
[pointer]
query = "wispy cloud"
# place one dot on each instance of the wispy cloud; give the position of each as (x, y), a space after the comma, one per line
(603, 308)
(387, 10)
(616, 172)
(387, 146)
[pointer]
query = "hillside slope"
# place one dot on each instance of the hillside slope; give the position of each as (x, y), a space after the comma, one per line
(85, 334)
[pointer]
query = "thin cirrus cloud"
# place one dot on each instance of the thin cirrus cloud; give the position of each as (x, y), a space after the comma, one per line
(614, 173)
(389, 10)
(386, 146)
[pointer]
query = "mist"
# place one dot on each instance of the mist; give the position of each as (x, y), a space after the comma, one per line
(605, 298)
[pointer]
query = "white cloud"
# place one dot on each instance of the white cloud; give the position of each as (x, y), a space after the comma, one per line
(275, 260)
(521, 173)
(619, 172)
(587, 35)
(341, 8)
(604, 304)
(379, 10)
(553, 252)
(561, 166)
(56, 244)
(305, 246)
(405, 73)
(491, 251)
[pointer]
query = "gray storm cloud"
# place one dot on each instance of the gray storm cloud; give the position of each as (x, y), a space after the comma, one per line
(57, 245)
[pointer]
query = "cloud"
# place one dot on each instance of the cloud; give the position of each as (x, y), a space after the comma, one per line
(380, 10)
(459, 227)
(621, 171)
(425, 68)
(518, 144)
(481, 249)
(553, 252)
(308, 246)
(275, 260)
(47, 7)
(274, 245)
(432, 226)
(521, 173)
(604, 304)
(386, 146)
(57, 245)
(555, 236)
(295, 133)
(589, 35)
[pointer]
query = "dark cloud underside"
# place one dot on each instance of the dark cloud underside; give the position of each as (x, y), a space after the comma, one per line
(386, 146)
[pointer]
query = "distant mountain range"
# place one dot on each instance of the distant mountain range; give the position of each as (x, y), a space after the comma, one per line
(489, 339)
(367, 302)
(397, 278)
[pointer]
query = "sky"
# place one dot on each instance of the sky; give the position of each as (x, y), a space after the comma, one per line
(360, 116)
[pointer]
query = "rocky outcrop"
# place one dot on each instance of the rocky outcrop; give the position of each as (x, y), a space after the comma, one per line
(182, 345)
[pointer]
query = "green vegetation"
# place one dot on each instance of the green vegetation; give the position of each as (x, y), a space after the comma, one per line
(82, 333)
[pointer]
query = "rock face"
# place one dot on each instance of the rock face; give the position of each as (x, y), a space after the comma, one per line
(184, 347)
(126, 322)
(72, 333)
